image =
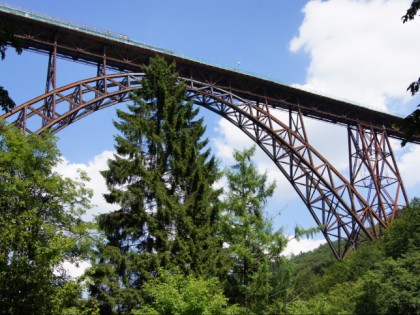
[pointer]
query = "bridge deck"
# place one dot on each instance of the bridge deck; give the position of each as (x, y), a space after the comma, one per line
(84, 44)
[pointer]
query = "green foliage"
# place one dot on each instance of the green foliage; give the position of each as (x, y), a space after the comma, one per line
(82, 307)
(355, 265)
(311, 307)
(40, 224)
(308, 233)
(341, 299)
(393, 288)
(380, 277)
(328, 285)
(254, 248)
(404, 235)
(161, 178)
(177, 294)
(66, 298)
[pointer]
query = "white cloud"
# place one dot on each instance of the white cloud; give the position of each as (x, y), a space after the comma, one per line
(97, 182)
(409, 166)
(296, 247)
(359, 49)
(75, 270)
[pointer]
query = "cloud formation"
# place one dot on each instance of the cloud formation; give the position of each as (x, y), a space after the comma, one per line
(97, 182)
(359, 50)
(296, 247)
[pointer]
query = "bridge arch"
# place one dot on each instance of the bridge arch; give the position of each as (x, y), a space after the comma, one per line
(344, 216)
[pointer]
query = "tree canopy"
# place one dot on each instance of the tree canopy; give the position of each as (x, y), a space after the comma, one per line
(40, 223)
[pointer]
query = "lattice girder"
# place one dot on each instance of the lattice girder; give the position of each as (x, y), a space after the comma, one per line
(344, 216)
(374, 172)
(73, 102)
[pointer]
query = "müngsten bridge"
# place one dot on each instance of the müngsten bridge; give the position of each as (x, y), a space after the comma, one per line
(348, 210)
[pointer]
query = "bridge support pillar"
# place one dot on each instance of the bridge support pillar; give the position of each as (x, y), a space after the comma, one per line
(374, 174)
(101, 71)
(49, 105)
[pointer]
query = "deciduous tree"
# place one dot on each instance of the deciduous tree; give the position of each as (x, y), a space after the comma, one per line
(40, 223)
(174, 293)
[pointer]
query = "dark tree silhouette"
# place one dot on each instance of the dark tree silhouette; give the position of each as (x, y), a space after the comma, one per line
(412, 11)
(7, 38)
(410, 125)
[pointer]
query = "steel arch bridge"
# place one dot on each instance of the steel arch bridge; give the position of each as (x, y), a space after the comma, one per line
(348, 210)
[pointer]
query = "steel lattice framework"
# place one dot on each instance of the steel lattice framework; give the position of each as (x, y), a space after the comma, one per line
(348, 210)
(346, 218)
(374, 171)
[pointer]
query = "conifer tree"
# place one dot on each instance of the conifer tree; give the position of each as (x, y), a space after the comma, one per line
(161, 177)
(254, 248)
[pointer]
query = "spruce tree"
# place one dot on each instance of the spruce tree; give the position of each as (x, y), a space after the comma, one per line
(162, 178)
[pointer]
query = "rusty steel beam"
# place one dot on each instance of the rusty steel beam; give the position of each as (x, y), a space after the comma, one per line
(49, 103)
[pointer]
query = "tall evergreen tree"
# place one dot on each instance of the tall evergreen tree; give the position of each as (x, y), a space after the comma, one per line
(255, 249)
(162, 178)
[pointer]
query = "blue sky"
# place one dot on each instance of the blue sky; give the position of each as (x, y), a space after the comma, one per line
(222, 33)
(357, 50)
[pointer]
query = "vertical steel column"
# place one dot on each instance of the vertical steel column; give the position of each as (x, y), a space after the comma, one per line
(297, 125)
(49, 105)
(101, 86)
(374, 174)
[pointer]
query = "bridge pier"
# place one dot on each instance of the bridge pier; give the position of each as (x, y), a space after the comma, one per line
(374, 174)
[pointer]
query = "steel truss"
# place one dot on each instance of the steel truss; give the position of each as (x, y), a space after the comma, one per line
(374, 173)
(345, 217)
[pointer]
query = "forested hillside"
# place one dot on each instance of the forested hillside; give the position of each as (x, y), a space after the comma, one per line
(381, 277)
